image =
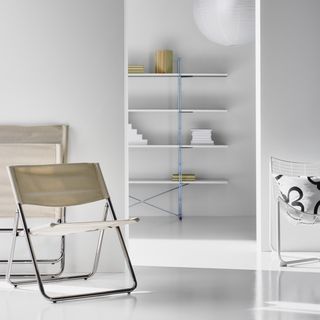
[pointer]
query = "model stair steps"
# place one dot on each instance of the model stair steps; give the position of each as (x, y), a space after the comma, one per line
(136, 69)
(184, 177)
(134, 138)
(201, 136)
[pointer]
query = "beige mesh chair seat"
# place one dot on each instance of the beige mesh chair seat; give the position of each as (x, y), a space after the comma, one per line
(27, 145)
(296, 186)
(64, 185)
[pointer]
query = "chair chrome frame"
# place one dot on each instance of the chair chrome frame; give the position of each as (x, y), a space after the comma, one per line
(16, 232)
(63, 157)
(278, 166)
(41, 279)
(286, 263)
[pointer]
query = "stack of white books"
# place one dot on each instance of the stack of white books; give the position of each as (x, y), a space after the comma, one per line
(134, 137)
(201, 136)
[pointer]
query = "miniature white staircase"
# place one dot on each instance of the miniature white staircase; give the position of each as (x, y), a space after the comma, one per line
(134, 137)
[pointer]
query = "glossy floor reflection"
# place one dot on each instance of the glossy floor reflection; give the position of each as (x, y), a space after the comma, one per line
(181, 293)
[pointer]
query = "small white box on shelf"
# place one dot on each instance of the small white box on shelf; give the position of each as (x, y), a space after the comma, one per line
(134, 138)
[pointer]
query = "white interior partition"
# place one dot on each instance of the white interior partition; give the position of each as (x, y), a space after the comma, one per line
(258, 123)
(290, 98)
(62, 62)
(220, 205)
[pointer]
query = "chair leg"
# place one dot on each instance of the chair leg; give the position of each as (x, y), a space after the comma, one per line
(124, 248)
(99, 245)
(41, 281)
(34, 261)
(286, 263)
(13, 246)
(60, 260)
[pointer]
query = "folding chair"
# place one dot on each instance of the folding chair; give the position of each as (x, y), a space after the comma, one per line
(28, 145)
(63, 185)
(297, 190)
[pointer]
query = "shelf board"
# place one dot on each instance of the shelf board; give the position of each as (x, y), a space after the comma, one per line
(175, 75)
(200, 181)
(176, 111)
(175, 146)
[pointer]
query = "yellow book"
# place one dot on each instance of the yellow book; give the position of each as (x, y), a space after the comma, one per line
(184, 176)
(136, 69)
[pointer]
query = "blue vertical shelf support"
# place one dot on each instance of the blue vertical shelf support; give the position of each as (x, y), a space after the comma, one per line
(180, 142)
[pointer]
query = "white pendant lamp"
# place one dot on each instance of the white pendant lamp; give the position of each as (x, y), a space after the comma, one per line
(226, 22)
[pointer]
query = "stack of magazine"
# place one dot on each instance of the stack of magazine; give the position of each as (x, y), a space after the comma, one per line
(201, 136)
(136, 69)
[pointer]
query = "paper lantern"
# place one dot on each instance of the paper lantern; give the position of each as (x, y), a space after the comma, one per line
(226, 22)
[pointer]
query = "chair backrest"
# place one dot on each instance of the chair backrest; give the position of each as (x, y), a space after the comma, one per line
(27, 145)
(294, 169)
(58, 185)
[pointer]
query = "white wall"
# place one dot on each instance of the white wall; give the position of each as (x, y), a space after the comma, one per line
(152, 25)
(290, 77)
(62, 62)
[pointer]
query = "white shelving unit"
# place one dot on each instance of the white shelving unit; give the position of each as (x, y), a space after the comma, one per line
(176, 75)
(176, 146)
(180, 111)
(200, 181)
(175, 111)
(218, 219)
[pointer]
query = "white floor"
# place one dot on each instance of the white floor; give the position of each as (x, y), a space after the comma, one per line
(219, 276)
(180, 293)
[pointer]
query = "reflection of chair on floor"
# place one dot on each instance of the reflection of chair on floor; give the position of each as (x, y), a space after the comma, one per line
(63, 185)
(300, 288)
(30, 145)
(124, 306)
(297, 186)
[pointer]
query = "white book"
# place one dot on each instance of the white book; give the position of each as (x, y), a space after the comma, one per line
(141, 142)
(202, 132)
(202, 139)
(132, 132)
(202, 143)
(138, 137)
